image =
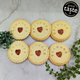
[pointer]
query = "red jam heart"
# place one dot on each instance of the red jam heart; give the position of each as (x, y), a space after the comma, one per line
(40, 29)
(20, 29)
(59, 54)
(18, 51)
(38, 52)
(60, 31)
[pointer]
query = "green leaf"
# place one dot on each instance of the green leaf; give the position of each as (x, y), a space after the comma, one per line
(73, 46)
(77, 61)
(11, 41)
(73, 68)
(46, 62)
(45, 65)
(64, 74)
(55, 75)
(68, 74)
(76, 48)
(78, 42)
(71, 49)
(65, 65)
(48, 66)
(66, 69)
(61, 69)
(12, 38)
(75, 42)
(3, 38)
(56, 72)
(68, 77)
(4, 48)
(6, 39)
(74, 76)
(60, 74)
(64, 78)
(47, 69)
(75, 52)
(50, 72)
(58, 78)
(7, 32)
(79, 46)
(4, 45)
(78, 72)
(51, 69)
(77, 65)
(0, 45)
(8, 47)
(77, 56)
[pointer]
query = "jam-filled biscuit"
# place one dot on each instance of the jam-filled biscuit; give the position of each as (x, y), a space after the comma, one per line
(39, 53)
(60, 31)
(40, 29)
(59, 54)
(20, 29)
(18, 51)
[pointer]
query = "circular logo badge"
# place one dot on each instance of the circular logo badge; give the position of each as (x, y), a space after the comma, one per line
(70, 9)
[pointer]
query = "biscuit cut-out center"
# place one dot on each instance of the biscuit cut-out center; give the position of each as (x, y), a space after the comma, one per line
(59, 54)
(18, 51)
(60, 31)
(40, 29)
(38, 52)
(20, 29)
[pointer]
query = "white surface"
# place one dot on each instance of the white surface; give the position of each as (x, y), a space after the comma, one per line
(31, 10)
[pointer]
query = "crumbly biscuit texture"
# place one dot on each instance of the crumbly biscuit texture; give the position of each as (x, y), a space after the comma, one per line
(59, 54)
(20, 29)
(60, 31)
(39, 53)
(40, 29)
(18, 51)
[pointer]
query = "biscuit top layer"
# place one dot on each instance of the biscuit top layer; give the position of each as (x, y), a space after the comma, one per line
(20, 29)
(60, 29)
(59, 58)
(40, 29)
(18, 51)
(38, 52)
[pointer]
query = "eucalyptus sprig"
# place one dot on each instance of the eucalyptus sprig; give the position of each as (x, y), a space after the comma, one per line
(66, 72)
(5, 39)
